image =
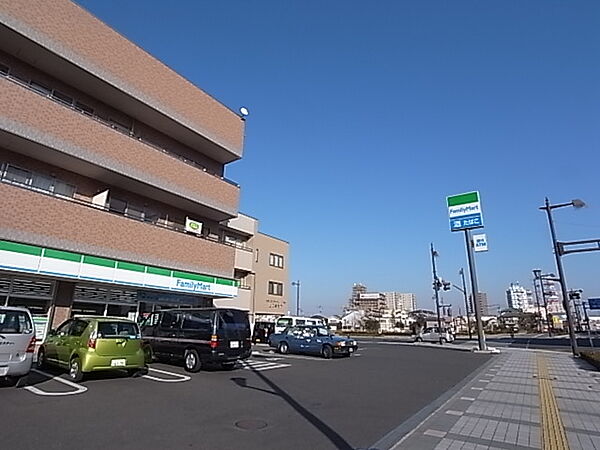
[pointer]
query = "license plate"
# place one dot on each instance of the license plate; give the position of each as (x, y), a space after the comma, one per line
(3, 371)
(234, 344)
(351, 349)
(118, 362)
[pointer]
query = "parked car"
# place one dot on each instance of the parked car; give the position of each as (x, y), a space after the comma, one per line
(17, 342)
(316, 340)
(89, 344)
(199, 336)
(432, 334)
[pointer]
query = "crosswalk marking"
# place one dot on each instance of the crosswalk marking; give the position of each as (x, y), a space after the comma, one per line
(262, 365)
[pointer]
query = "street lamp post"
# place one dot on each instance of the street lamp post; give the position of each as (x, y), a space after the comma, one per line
(297, 285)
(561, 273)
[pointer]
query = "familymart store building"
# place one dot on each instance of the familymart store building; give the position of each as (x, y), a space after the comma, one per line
(56, 285)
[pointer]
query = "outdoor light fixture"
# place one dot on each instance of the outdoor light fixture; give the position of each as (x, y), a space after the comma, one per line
(244, 112)
(578, 203)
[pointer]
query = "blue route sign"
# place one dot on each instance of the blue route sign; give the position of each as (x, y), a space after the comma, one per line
(594, 303)
(466, 222)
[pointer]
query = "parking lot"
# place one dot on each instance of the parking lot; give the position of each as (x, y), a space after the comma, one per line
(269, 401)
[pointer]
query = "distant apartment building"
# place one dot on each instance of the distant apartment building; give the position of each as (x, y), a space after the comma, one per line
(553, 296)
(400, 301)
(517, 297)
(482, 300)
(357, 290)
(260, 268)
(112, 177)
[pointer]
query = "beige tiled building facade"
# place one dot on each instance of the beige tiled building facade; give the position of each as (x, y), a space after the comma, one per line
(261, 268)
(112, 176)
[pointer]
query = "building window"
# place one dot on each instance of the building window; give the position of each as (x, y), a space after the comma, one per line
(64, 98)
(42, 89)
(84, 108)
(275, 288)
(276, 260)
(38, 181)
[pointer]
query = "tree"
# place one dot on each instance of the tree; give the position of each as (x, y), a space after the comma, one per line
(371, 325)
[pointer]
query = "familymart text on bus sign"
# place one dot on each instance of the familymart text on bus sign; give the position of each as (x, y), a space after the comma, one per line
(464, 211)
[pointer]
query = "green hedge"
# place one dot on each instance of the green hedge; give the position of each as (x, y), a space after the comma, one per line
(593, 357)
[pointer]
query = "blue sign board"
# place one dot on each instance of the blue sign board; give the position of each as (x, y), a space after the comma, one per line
(466, 222)
(594, 303)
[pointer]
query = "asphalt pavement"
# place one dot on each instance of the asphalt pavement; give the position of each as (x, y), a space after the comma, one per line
(270, 402)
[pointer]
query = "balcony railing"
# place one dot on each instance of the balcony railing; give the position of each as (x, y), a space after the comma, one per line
(51, 95)
(169, 225)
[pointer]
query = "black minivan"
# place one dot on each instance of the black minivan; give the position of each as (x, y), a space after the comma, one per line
(199, 336)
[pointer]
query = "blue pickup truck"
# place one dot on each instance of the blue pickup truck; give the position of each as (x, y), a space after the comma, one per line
(317, 340)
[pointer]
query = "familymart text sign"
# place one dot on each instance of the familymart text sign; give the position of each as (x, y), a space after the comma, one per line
(464, 211)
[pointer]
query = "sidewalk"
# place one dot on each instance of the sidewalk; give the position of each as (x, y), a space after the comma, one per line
(520, 400)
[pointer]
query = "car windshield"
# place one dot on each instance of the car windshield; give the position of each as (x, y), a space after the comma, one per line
(284, 322)
(15, 322)
(111, 330)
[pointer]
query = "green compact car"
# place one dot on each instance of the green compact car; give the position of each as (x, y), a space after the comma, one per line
(89, 344)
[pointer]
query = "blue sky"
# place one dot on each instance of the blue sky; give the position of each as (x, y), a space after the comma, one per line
(364, 116)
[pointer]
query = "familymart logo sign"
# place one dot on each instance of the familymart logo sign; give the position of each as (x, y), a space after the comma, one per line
(464, 211)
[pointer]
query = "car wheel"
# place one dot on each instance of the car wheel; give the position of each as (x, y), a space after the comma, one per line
(228, 366)
(444, 340)
(75, 372)
(283, 348)
(327, 352)
(41, 358)
(419, 339)
(192, 360)
(148, 356)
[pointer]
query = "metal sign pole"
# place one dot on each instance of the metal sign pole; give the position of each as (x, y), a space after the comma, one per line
(436, 288)
(475, 290)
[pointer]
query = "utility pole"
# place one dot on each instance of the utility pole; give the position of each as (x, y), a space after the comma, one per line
(297, 284)
(537, 302)
(464, 291)
(537, 273)
(475, 290)
(436, 289)
(561, 273)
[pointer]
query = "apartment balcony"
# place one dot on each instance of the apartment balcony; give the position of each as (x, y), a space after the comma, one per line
(244, 258)
(49, 221)
(243, 300)
(64, 40)
(35, 125)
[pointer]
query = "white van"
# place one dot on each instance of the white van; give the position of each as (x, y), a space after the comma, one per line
(17, 342)
(291, 321)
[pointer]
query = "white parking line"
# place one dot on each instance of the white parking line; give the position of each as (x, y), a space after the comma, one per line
(179, 377)
(79, 389)
(259, 366)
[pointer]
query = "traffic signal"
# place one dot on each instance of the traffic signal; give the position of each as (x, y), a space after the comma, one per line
(447, 285)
